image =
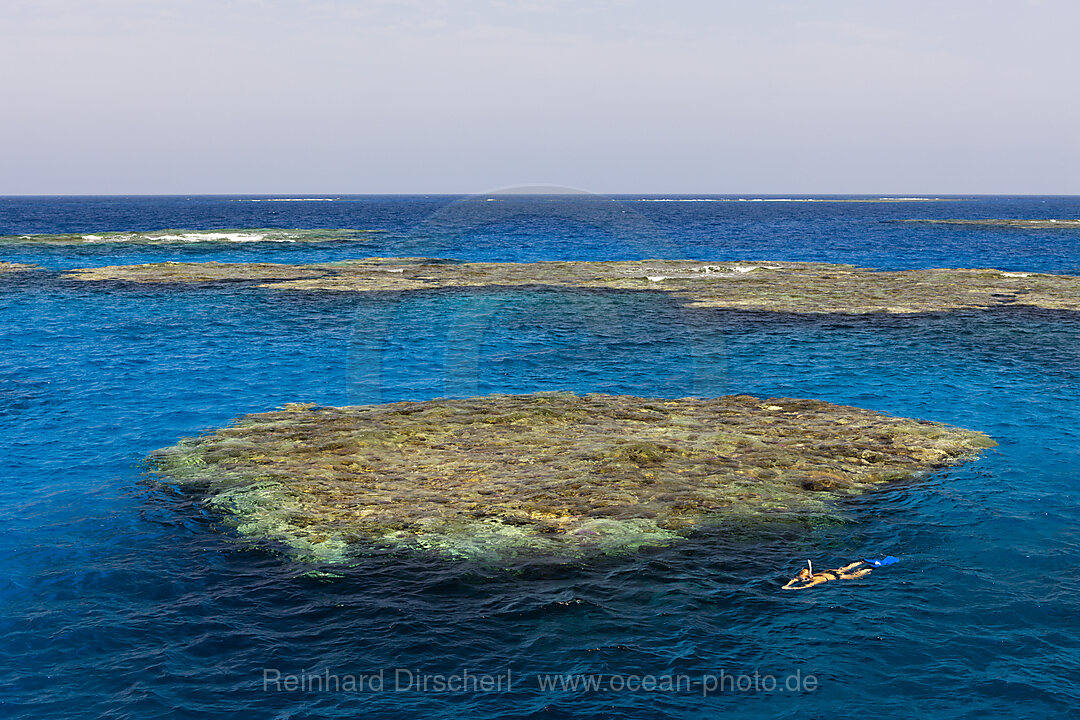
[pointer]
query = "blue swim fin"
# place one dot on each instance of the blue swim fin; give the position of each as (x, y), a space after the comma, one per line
(887, 560)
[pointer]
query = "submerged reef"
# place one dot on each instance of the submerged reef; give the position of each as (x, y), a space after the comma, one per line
(9, 267)
(197, 272)
(802, 199)
(792, 287)
(171, 237)
(547, 473)
(1044, 224)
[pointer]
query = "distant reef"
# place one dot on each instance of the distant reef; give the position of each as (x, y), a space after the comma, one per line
(791, 287)
(553, 474)
(8, 267)
(1062, 224)
(187, 237)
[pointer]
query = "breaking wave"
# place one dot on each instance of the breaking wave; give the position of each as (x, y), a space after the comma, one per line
(169, 237)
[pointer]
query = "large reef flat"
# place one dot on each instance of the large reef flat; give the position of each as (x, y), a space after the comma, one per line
(198, 273)
(173, 237)
(547, 473)
(792, 287)
(1039, 224)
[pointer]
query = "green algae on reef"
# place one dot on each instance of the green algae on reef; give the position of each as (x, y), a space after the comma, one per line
(547, 473)
(1022, 224)
(171, 237)
(793, 287)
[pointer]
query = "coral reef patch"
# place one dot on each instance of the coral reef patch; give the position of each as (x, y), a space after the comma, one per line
(790, 287)
(9, 267)
(547, 473)
(197, 272)
(1022, 224)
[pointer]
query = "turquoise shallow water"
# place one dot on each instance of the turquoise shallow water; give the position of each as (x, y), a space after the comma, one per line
(123, 600)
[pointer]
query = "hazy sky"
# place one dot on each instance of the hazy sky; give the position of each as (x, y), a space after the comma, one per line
(681, 96)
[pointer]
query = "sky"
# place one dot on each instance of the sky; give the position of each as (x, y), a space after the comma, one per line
(471, 96)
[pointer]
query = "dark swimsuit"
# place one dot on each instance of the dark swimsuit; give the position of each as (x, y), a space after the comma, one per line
(831, 574)
(806, 583)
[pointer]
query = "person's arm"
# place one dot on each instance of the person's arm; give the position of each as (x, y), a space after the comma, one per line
(797, 584)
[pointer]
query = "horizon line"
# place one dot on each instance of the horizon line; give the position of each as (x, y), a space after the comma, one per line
(538, 192)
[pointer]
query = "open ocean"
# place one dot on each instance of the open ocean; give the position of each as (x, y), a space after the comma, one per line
(125, 600)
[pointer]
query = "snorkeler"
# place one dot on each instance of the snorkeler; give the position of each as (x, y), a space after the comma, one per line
(807, 578)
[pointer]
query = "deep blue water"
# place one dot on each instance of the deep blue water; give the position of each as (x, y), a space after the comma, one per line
(122, 599)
